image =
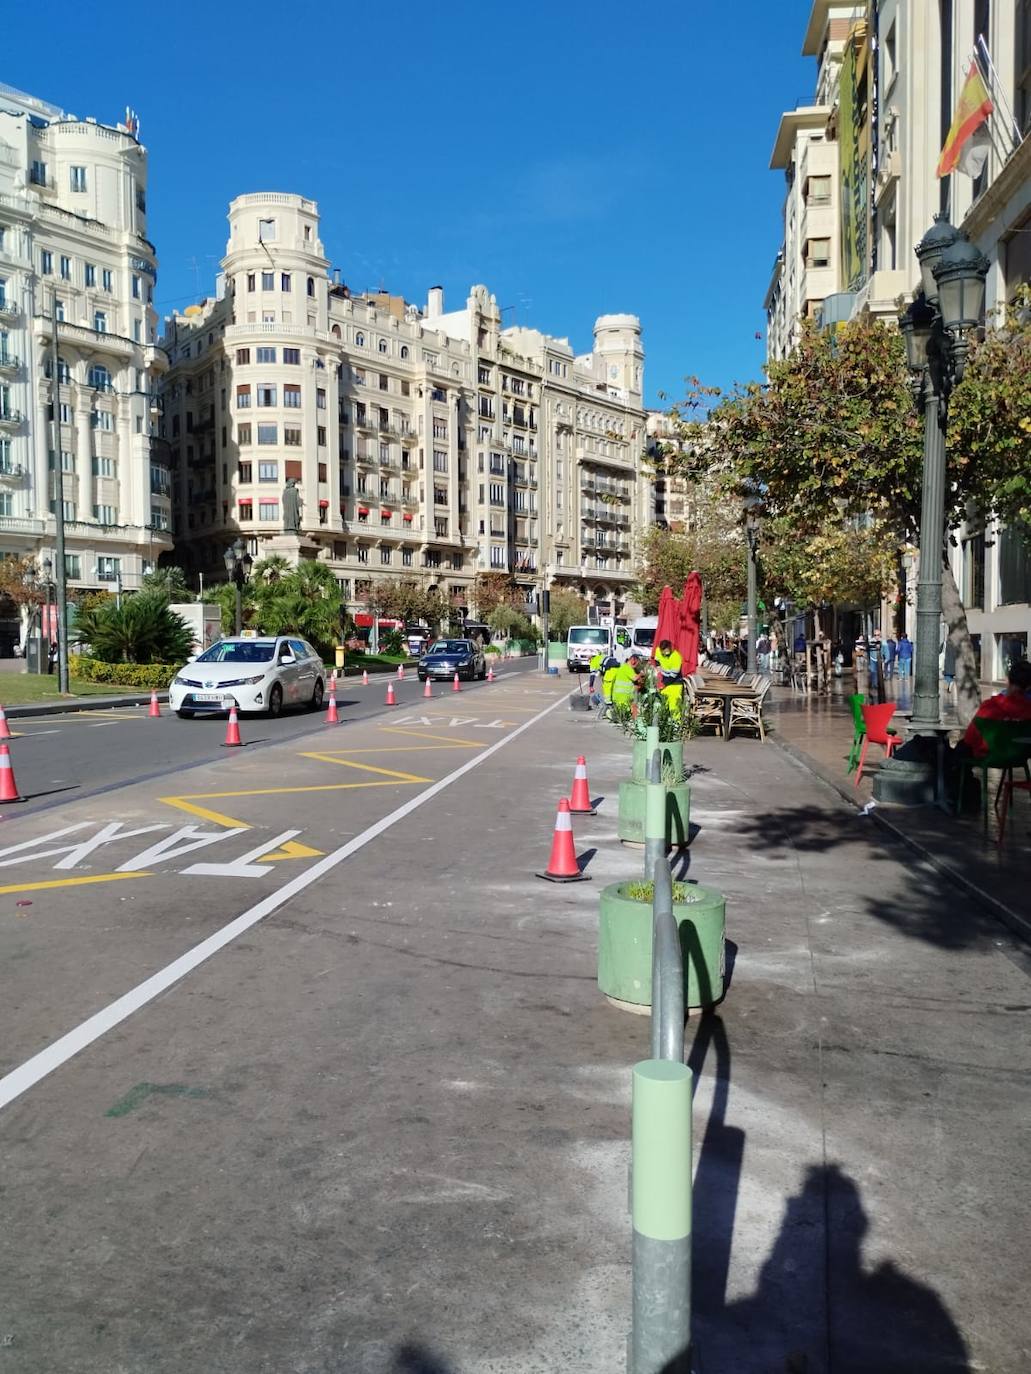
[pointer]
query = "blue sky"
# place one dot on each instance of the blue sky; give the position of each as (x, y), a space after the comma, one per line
(577, 158)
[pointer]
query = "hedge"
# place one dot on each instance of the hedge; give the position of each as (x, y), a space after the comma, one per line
(143, 675)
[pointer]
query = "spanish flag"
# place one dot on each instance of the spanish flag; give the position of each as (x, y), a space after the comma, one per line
(973, 109)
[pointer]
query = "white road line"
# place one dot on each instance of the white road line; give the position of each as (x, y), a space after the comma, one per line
(30, 1073)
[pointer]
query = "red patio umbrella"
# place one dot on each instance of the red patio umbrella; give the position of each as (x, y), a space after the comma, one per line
(690, 623)
(669, 619)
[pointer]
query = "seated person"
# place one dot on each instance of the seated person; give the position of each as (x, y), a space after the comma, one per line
(1012, 704)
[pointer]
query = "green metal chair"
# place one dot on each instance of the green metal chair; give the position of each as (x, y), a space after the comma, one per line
(1004, 753)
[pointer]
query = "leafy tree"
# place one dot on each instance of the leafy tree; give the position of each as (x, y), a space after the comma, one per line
(834, 436)
(567, 608)
(168, 582)
(512, 623)
(493, 589)
(408, 600)
(141, 630)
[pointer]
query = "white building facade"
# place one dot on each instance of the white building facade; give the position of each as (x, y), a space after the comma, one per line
(425, 444)
(73, 246)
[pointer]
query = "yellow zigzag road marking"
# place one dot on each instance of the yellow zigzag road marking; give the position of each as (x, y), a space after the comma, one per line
(366, 768)
(73, 882)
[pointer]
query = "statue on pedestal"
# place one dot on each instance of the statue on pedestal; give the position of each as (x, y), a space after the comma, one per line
(292, 507)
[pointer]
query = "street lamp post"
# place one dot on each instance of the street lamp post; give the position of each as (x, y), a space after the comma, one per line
(48, 583)
(936, 328)
(752, 504)
(238, 565)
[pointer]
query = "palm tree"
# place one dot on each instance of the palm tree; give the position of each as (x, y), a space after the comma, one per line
(141, 630)
(169, 583)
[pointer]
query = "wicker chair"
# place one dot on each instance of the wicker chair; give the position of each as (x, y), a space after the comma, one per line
(747, 712)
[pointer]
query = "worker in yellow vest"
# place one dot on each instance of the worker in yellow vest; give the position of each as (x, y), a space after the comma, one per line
(609, 668)
(592, 669)
(671, 670)
(625, 682)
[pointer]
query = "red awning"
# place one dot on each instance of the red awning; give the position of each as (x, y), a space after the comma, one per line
(323, 505)
(406, 516)
(387, 513)
(363, 510)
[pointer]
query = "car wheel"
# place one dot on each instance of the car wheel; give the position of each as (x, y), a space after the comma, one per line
(275, 700)
(317, 695)
(482, 674)
(185, 715)
(422, 677)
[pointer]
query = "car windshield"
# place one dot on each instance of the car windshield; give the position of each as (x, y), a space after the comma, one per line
(589, 634)
(451, 646)
(239, 651)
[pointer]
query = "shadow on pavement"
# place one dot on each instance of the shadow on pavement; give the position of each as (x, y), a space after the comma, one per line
(416, 1359)
(817, 1309)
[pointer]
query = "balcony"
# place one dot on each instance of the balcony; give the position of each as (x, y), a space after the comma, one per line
(16, 524)
(9, 363)
(12, 473)
(8, 310)
(367, 423)
(10, 419)
(408, 437)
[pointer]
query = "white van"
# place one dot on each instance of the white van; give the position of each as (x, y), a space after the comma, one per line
(642, 636)
(583, 642)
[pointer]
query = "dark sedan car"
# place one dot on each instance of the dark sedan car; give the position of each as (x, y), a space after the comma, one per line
(450, 656)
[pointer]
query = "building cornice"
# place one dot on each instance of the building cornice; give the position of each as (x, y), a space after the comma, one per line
(791, 123)
(1013, 174)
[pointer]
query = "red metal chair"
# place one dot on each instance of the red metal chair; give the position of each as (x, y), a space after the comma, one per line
(876, 719)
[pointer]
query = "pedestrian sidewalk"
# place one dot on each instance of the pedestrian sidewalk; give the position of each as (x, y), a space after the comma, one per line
(817, 730)
(860, 1197)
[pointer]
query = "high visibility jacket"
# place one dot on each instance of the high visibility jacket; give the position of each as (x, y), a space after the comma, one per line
(670, 665)
(623, 685)
(595, 663)
(608, 678)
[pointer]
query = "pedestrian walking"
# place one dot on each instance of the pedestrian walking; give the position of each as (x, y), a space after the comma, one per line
(889, 652)
(904, 655)
(949, 664)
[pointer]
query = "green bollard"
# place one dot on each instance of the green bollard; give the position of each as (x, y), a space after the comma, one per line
(660, 1193)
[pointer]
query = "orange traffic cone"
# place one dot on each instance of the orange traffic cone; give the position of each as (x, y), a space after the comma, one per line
(400, 672)
(331, 715)
(580, 800)
(391, 699)
(427, 691)
(562, 866)
(333, 683)
(365, 677)
(490, 673)
(456, 686)
(5, 729)
(8, 786)
(155, 709)
(232, 739)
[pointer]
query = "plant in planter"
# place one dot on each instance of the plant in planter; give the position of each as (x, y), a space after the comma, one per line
(625, 943)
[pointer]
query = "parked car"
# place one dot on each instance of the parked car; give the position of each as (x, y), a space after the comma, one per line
(254, 672)
(450, 656)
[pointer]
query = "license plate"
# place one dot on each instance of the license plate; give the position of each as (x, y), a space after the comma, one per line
(207, 696)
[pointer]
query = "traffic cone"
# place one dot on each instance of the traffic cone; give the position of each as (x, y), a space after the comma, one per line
(400, 672)
(427, 691)
(333, 683)
(580, 800)
(8, 786)
(562, 866)
(232, 739)
(490, 673)
(331, 715)
(155, 709)
(391, 699)
(365, 677)
(456, 686)
(5, 729)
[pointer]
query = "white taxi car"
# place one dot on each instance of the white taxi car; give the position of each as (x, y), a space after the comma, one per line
(256, 672)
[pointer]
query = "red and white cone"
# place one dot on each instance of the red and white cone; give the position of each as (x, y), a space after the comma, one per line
(8, 786)
(391, 699)
(232, 739)
(456, 686)
(562, 866)
(333, 683)
(155, 709)
(331, 714)
(5, 729)
(400, 672)
(490, 673)
(427, 691)
(580, 799)
(365, 677)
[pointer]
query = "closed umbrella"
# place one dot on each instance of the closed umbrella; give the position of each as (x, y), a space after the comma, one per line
(669, 619)
(690, 623)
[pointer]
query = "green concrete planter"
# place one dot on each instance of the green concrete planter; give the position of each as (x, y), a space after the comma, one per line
(630, 824)
(670, 754)
(625, 946)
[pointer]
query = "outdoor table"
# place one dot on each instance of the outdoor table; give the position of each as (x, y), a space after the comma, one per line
(726, 691)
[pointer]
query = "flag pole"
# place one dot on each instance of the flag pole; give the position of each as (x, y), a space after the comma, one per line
(991, 77)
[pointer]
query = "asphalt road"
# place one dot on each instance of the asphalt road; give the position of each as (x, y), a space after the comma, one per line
(57, 758)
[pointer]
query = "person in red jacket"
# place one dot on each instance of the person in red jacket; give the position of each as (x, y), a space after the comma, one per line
(1012, 704)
